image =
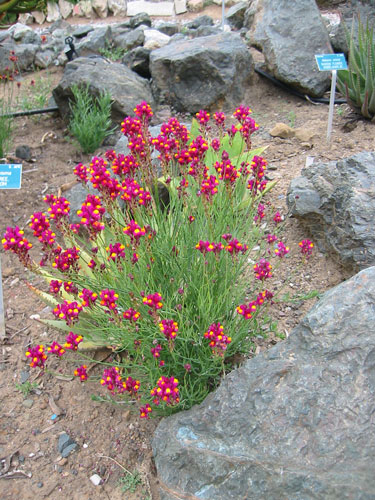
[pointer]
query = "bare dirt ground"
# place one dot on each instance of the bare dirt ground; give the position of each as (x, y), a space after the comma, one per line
(109, 438)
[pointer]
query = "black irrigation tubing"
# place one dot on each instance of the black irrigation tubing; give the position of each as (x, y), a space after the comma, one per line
(320, 100)
(30, 112)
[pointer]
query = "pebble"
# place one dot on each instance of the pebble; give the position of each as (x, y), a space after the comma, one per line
(95, 479)
(28, 403)
(40, 485)
(24, 376)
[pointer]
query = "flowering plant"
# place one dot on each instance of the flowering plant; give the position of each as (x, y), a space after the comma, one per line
(155, 268)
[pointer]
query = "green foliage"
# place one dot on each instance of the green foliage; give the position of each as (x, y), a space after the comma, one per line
(6, 128)
(37, 95)
(27, 387)
(130, 482)
(358, 82)
(170, 284)
(113, 53)
(91, 118)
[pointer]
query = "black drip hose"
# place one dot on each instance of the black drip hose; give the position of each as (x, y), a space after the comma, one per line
(30, 112)
(320, 100)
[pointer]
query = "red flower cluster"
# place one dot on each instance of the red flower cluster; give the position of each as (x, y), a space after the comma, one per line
(169, 328)
(131, 315)
(262, 270)
(66, 260)
(88, 297)
(218, 341)
(15, 242)
(166, 391)
(281, 250)
(306, 247)
(81, 372)
(59, 208)
(134, 231)
(91, 213)
(37, 355)
(206, 247)
(56, 348)
(69, 311)
(72, 340)
(108, 299)
(153, 301)
(116, 251)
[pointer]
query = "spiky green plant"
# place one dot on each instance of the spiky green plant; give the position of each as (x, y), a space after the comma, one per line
(358, 82)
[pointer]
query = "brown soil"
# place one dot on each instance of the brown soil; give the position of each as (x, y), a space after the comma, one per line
(110, 439)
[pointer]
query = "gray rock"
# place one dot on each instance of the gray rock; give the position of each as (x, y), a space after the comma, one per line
(126, 87)
(23, 152)
(24, 52)
(24, 377)
(66, 445)
(44, 58)
(290, 34)
(82, 31)
(200, 21)
(336, 201)
(94, 41)
(138, 60)
(205, 31)
(27, 403)
(194, 74)
(168, 28)
(128, 39)
(292, 423)
(139, 19)
(236, 15)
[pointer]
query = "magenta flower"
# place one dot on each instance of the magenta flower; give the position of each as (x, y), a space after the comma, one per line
(155, 351)
(88, 297)
(69, 311)
(108, 299)
(218, 341)
(153, 301)
(262, 270)
(247, 310)
(81, 372)
(145, 411)
(306, 248)
(56, 348)
(281, 250)
(131, 315)
(37, 355)
(166, 391)
(72, 340)
(169, 328)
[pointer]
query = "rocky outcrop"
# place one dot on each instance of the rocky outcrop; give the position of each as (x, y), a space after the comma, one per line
(289, 34)
(208, 71)
(126, 87)
(336, 202)
(295, 422)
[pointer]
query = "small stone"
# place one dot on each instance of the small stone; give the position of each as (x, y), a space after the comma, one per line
(74, 472)
(95, 479)
(24, 376)
(40, 485)
(68, 449)
(65, 441)
(21, 459)
(282, 130)
(28, 403)
(23, 152)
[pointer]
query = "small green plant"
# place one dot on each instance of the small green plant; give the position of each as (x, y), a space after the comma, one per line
(130, 482)
(27, 387)
(91, 118)
(7, 81)
(292, 118)
(113, 53)
(358, 82)
(37, 95)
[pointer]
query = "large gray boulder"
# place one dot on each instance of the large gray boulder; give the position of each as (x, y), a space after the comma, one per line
(295, 422)
(126, 87)
(289, 34)
(95, 41)
(25, 53)
(200, 73)
(336, 201)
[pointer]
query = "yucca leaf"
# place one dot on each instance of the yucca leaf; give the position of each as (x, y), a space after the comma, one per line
(45, 297)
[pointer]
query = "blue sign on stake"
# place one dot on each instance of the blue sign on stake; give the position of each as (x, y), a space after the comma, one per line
(10, 176)
(330, 62)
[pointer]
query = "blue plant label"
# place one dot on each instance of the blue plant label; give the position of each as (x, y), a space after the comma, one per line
(330, 62)
(10, 176)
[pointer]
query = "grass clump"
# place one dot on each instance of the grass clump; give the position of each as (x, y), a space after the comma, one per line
(91, 122)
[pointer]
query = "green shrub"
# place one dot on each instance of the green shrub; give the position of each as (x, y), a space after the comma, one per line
(358, 82)
(176, 289)
(91, 118)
